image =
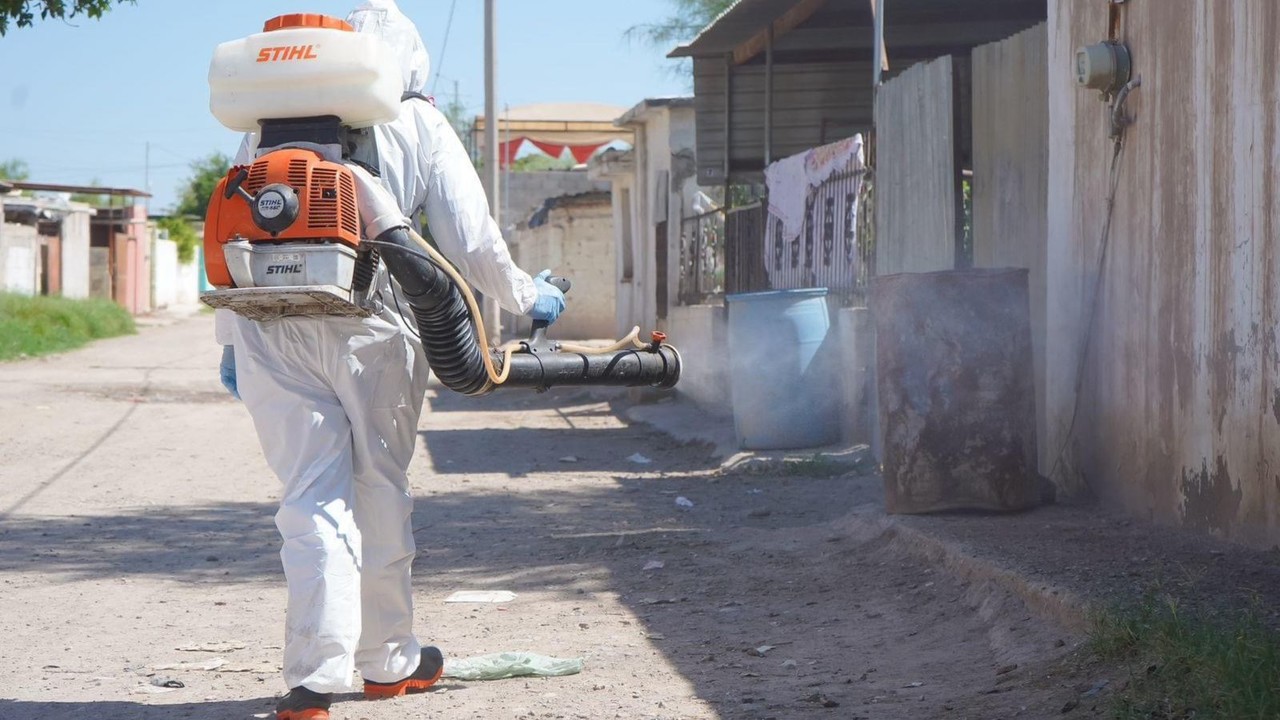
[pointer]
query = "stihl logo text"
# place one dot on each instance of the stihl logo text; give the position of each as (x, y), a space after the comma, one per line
(287, 53)
(283, 269)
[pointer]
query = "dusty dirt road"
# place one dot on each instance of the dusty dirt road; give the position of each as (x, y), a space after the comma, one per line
(136, 520)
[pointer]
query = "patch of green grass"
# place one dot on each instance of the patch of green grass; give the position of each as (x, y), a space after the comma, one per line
(31, 326)
(1185, 667)
(817, 466)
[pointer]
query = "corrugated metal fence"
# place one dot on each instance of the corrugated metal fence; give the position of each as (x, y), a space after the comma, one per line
(917, 200)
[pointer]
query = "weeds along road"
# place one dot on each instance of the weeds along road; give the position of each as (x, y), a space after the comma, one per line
(136, 520)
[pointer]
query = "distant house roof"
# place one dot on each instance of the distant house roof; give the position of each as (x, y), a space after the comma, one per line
(26, 209)
(586, 199)
(5, 187)
(79, 189)
(561, 112)
(556, 126)
(644, 106)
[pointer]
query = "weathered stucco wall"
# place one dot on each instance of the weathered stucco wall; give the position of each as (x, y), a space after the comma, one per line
(75, 255)
(19, 259)
(1179, 413)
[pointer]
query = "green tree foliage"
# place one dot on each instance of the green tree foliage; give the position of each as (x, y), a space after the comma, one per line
(15, 170)
(687, 19)
(456, 113)
(23, 13)
(205, 176)
(184, 234)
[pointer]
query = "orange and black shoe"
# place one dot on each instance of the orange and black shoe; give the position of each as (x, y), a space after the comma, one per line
(430, 668)
(302, 704)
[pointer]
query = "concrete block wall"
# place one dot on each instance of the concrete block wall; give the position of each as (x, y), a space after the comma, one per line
(75, 255)
(164, 266)
(576, 241)
(855, 349)
(19, 259)
(524, 192)
(701, 332)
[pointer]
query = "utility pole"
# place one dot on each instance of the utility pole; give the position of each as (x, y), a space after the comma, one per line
(146, 174)
(491, 172)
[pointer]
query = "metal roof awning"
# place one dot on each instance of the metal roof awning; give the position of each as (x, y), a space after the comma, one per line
(79, 189)
(776, 77)
(915, 28)
(743, 28)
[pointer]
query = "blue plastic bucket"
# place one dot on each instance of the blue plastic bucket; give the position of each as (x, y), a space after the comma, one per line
(785, 390)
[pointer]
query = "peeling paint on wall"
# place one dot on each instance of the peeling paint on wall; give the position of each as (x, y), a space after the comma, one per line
(1182, 380)
(1209, 499)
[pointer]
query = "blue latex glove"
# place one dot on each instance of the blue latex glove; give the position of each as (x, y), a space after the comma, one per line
(227, 371)
(550, 302)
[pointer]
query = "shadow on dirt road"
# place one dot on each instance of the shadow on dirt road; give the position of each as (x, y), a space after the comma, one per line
(752, 590)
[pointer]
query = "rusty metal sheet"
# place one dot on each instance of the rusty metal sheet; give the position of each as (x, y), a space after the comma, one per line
(957, 395)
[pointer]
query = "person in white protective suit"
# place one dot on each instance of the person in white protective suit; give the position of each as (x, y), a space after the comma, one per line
(336, 403)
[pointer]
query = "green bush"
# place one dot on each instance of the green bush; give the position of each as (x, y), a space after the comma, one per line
(32, 326)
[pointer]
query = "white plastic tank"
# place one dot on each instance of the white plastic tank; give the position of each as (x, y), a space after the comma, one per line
(304, 66)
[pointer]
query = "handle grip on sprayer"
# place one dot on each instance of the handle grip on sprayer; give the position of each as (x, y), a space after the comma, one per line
(538, 341)
(234, 186)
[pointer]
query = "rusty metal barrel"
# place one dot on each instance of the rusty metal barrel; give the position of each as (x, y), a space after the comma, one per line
(957, 391)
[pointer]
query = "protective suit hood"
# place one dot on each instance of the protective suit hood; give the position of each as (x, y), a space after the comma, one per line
(383, 18)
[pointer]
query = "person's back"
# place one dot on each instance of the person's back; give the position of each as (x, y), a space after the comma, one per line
(336, 403)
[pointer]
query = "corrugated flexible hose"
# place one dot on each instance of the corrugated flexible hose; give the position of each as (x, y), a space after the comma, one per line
(457, 348)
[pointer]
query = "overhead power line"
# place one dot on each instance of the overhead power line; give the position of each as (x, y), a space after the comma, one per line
(444, 46)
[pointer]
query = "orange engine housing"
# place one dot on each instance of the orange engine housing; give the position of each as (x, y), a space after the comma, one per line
(326, 207)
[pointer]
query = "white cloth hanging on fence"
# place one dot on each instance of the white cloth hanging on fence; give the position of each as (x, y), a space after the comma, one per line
(838, 157)
(791, 179)
(788, 184)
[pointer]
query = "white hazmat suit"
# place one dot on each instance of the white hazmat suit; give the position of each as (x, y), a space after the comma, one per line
(336, 402)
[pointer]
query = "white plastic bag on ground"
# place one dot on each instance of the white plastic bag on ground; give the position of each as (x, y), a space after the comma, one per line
(508, 665)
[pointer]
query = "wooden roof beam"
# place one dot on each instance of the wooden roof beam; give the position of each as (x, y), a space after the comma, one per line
(788, 21)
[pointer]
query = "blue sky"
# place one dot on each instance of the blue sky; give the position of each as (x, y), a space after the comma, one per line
(79, 100)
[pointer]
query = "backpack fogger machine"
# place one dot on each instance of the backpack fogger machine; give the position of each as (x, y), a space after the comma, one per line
(302, 231)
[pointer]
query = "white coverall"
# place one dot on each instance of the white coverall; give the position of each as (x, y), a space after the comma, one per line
(336, 402)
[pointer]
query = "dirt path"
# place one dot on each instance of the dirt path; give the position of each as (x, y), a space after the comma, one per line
(136, 519)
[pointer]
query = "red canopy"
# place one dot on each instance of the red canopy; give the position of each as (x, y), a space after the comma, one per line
(582, 128)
